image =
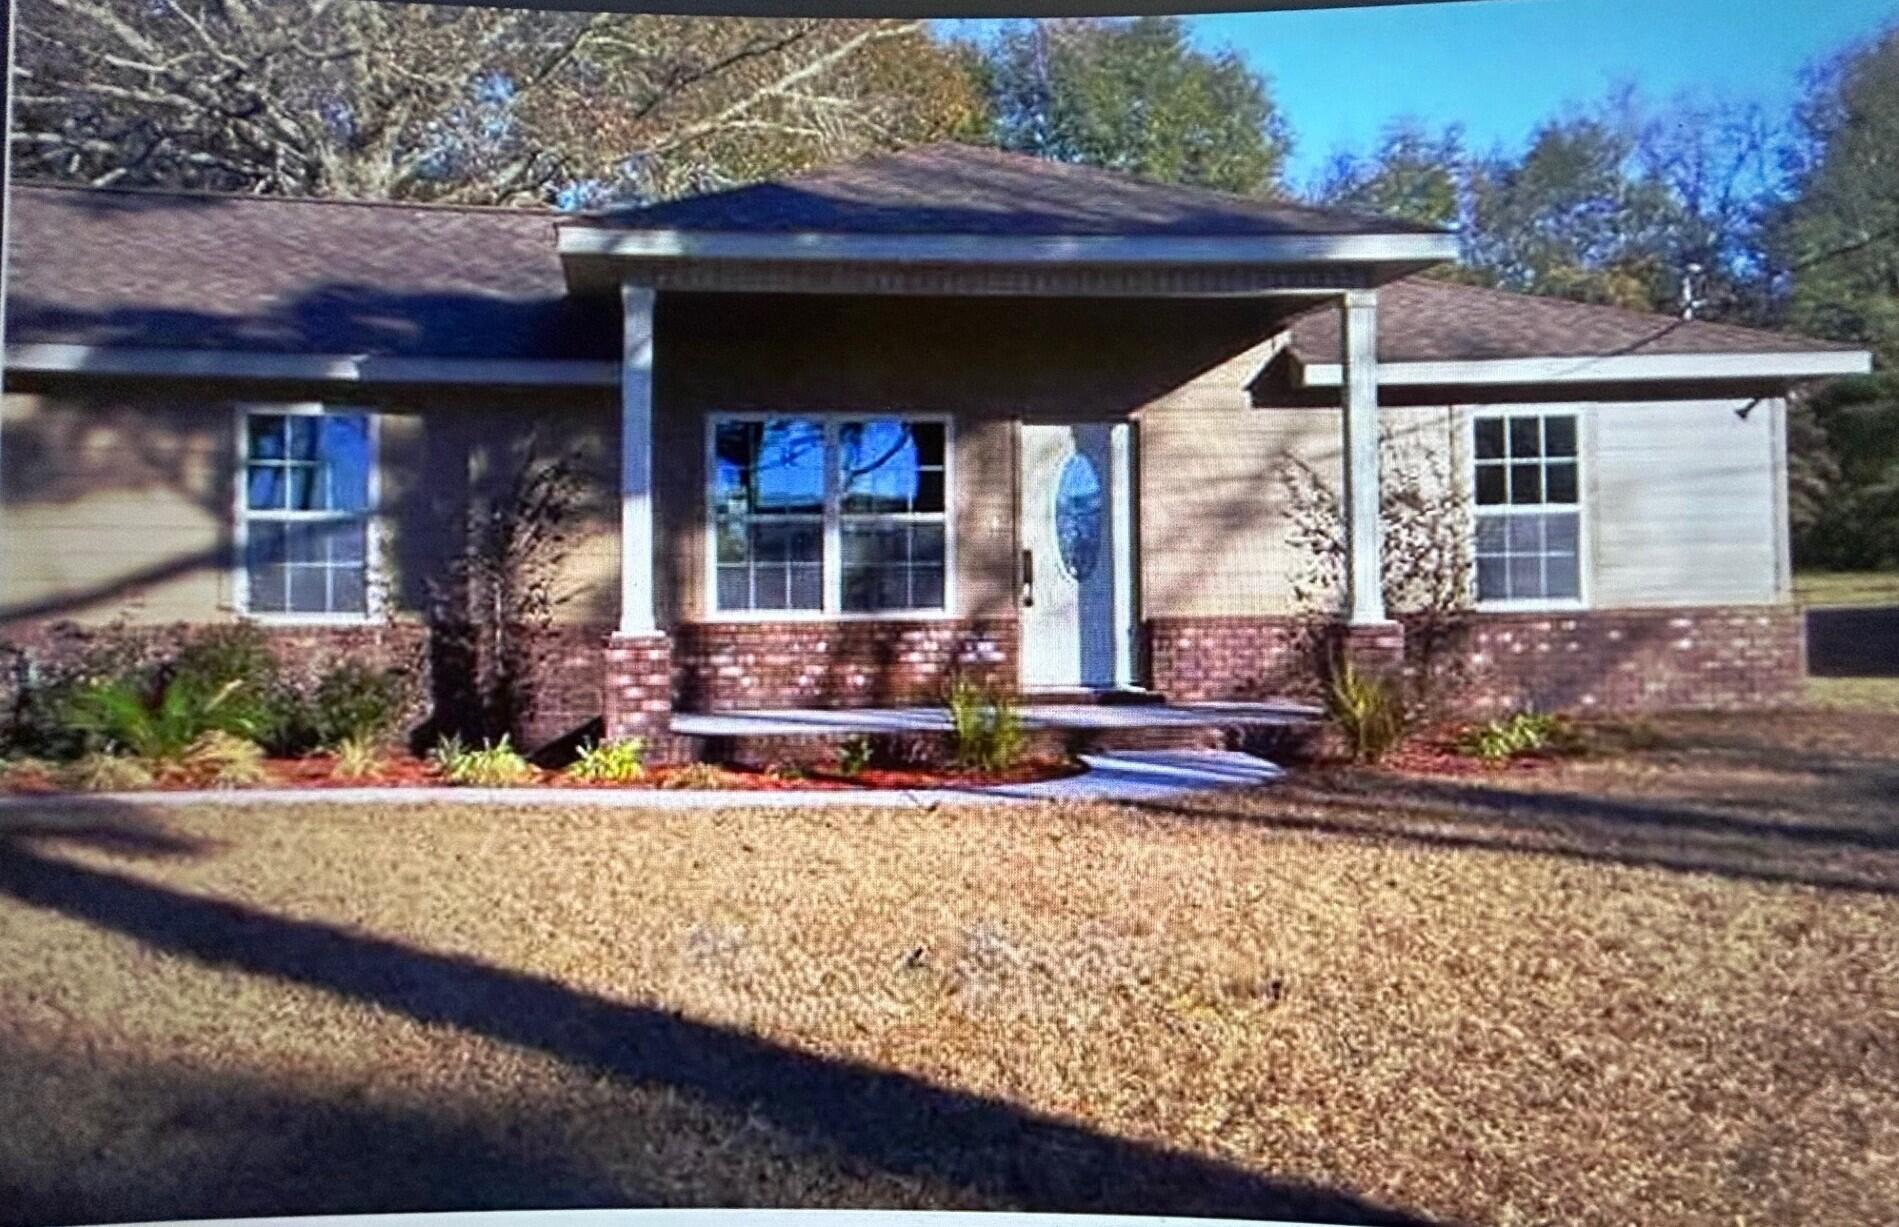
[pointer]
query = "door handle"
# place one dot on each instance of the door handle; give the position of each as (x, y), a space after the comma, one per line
(1028, 578)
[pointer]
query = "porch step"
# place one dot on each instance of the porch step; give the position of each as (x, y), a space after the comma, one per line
(755, 738)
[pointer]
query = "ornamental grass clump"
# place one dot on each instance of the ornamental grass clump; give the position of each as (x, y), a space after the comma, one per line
(356, 758)
(222, 760)
(497, 764)
(1514, 736)
(986, 732)
(1368, 710)
(609, 762)
(854, 755)
(100, 771)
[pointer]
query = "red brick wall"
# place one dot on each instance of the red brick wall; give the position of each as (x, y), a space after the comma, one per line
(720, 666)
(1641, 660)
(1604, 660)
(637, 692)
(1227, 658)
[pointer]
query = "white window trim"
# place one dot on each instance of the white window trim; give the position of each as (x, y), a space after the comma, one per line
(1585, 537)
(373, 578)
(833, 585)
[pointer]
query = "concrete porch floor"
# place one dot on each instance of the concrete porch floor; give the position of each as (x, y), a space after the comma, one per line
(1056, 717)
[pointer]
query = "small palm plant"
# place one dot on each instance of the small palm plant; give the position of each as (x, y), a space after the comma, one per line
(161, 725)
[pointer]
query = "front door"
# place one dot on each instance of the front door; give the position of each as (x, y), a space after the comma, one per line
(1076, 530)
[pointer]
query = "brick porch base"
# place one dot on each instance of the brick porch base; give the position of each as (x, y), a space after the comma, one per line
(1598, 660)
(721, 666)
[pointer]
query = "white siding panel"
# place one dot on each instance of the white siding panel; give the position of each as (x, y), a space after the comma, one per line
(1684, 503)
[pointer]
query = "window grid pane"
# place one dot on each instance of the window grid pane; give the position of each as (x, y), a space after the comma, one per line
(767, 497)
(893, 493)
(1526, 488)
(883, 484)
(306, 504)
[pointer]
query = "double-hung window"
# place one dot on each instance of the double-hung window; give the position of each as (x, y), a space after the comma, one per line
(1528, 507)
(829, 514)
(304, 512)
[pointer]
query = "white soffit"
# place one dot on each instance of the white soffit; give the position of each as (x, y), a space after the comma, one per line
(63, 359)
(1615, 368)
(1041, 250)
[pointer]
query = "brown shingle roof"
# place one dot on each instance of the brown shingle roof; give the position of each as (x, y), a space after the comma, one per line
(1423, 319)
(162, 269)
(960, 189)
(269, 274)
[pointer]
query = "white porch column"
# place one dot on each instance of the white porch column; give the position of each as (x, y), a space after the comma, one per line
(636, 463)
(1365, 596)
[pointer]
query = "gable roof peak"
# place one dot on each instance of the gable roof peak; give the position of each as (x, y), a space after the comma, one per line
(951, 188)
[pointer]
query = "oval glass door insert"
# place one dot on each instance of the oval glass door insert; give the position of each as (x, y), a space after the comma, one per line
(1078, 516)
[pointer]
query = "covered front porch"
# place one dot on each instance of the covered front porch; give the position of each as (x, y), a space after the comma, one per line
(1012, 372)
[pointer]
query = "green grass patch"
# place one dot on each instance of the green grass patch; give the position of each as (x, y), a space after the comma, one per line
(1876, 694)
(1847, 587)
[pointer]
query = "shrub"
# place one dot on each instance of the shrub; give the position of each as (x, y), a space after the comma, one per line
(40, 723)
(218, 656)
(357, 758)
(223, 760)
(161, 724)
(1514, 736)
(495, 765)
(353, 702)
(1369, 711)
(101, 772)
(854, 755)
(699, 776)
(609, 762)
(985, 728)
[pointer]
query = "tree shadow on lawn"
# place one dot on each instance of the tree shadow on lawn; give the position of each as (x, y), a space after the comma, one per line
(110, 1143)
(1842, 834)
(840, 1115)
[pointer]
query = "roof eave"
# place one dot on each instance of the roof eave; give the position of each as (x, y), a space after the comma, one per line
(1788, 366)
(994, 250)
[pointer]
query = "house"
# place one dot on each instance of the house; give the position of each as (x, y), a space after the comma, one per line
(947, 411)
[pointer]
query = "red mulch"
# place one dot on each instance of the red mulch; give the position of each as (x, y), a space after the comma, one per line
(404, 771)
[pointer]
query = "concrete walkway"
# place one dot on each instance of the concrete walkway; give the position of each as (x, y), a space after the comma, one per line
(1134, 777)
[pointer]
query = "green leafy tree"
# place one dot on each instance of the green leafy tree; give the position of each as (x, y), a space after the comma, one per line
(1133, 96)
(1414, 174)
(1624, 203)
(1567, 218)
(1838, 239)
(1839, 233)
(1843, 482)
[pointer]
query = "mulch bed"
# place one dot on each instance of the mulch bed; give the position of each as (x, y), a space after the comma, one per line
(317, 771)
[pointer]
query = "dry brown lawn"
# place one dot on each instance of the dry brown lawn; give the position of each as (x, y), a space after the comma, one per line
(1657, 989)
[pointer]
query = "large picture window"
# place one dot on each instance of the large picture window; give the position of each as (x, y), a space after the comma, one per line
(1528, 496)
(829, 514)
(303, 513)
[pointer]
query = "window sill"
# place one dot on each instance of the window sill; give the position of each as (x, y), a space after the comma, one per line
(741, 618)
(294, 619)
(1563, 606)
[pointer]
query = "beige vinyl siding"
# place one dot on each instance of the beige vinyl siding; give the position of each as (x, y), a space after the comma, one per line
(1215, 500)
(118, 503)
(114, 509)
(1684, 502)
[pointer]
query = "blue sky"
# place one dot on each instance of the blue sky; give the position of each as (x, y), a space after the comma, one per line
(1499, 66)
